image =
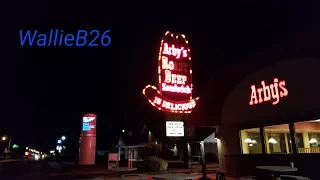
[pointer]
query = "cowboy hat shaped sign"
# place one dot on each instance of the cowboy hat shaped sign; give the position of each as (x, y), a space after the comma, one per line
(175, 77)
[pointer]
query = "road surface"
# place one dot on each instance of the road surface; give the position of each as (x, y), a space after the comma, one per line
(22, 169)
(52, 170)
(33, 170)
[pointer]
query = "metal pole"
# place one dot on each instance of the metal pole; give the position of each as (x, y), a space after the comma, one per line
(203, 163)
(9, 144)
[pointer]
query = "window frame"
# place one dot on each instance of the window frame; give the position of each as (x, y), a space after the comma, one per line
(241, 144)
(262, 136)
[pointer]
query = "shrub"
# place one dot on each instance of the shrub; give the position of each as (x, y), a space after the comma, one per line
(163, 165)
(168, 154)
(154, 164)
(149, 151)
(151, 165)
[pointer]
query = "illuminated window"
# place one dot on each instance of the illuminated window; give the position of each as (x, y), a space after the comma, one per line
(251, 141)
(314, 139)
(299, 140)
(308, 136)
(277, 139)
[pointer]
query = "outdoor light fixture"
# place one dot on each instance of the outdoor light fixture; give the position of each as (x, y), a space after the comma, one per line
(254, 142)
(59, 141)
(312, 141)
(123, 130)
(247, 140)
(272, 141)
(63, 138)
(36, 157)
(59, 148)
(7, 150)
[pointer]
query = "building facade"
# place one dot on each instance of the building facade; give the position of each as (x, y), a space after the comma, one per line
(272, 117)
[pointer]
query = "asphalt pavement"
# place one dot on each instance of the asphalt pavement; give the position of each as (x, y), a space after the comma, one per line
(53, 170)
(34, 170)
(23, 169)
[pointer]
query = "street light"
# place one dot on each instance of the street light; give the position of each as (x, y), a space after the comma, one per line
(59, 141)
(63, 138)
(4, 138)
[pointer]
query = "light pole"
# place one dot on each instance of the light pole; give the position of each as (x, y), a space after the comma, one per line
(60, 143)
(4, 138)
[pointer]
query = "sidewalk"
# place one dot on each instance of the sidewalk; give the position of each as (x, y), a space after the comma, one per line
(102, 170)
(101, 173)
(211, 176)
(105, 177)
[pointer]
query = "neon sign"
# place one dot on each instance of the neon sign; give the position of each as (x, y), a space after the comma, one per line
(175, 77)
(272, 92)
(160, 102)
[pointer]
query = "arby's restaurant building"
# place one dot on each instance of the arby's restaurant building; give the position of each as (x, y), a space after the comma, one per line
(265, 113)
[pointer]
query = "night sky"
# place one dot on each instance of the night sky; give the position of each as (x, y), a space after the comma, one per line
(45, 91)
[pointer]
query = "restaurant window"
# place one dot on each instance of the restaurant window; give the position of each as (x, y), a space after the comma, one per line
(308, 136)
(277, 139)
(251, 141)
(299, 140)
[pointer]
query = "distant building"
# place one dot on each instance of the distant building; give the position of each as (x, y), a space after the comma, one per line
(131, 140)
(200, 141)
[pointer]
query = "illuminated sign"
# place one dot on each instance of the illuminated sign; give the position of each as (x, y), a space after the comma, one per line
(175, 77)
(87, 123)
(272, 92)
(164, 104)
(88, 119)
(15, 146)
(174, 129)
(85, 126)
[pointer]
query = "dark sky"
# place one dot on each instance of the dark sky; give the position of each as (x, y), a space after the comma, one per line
(45, 91)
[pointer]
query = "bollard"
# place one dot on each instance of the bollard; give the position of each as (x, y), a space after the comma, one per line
(204, 171)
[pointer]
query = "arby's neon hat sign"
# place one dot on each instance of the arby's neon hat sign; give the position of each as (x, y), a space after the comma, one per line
(175, 77)
(272, 92)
